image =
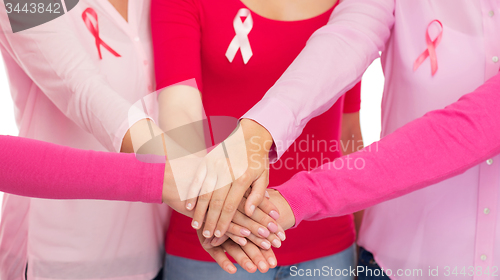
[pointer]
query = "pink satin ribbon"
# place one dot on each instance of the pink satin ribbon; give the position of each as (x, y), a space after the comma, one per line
(94, 29)
(431, 49)
(240, 40)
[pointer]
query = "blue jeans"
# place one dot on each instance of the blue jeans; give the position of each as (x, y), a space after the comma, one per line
(370, 267)
(177, 268)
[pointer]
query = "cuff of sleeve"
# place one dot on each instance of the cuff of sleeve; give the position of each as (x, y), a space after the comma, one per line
(279, 120)
(125, 126)
(154, 191)
(298, 198)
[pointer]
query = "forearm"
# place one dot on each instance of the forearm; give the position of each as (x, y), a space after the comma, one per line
(351, 139)
(332, 62)
(39, 169)
(435, 147)
(182, 117)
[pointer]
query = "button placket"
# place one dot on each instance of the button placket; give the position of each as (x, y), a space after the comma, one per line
(489, 180)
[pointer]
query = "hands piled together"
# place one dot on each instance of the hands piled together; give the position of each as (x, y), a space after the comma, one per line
(239, 216)
(224, 188)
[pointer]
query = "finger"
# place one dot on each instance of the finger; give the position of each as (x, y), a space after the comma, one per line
(233, 199)
(240, 255)
(254, 227)
(268, 207)
(262, 218)
(195, 187)
(257, 195)
(203, 202)
(238, 230)
(217, 241)
(237, 239)
(218, 254)
(257, 256)
(265, 243)
(216, 203)
(270, 257)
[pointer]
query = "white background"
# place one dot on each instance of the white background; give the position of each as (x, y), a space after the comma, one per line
(371, 94)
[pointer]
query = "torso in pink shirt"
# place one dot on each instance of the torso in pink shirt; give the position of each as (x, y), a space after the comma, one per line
(445, 224)
(70, 97)
(452, 224)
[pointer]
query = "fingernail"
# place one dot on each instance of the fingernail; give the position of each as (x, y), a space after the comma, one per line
(274, 215)
(272, 261)
(252, 208)
(276, 243)
(217, 233)
(230, 268)
(242, 241)
(281, 235)
(263, 232)
(266, 244)
(250, 266)
(206, 233)
(267, 195)
(195, 225)
(263, 265)
(189, 206)
(245, 232)
(272, 227)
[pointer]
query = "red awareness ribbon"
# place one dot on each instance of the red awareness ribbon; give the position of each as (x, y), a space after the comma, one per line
(431, 49)
(94, 29)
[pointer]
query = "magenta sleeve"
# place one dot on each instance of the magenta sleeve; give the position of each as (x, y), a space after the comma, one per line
(44, 170)
(435, 147)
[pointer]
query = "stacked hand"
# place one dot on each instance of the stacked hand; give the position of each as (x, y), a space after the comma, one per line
(224, 205)
(227, 201)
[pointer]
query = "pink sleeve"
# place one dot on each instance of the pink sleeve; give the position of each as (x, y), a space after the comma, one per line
(333, 61)
(441, 144)
(39, 169)
(52, 55)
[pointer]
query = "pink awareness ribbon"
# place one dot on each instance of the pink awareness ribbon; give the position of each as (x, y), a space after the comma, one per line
(431, 49)
(240, 40)
(94, 29)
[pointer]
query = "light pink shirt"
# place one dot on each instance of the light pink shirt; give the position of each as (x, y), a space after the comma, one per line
(66, 95)
(454, 223)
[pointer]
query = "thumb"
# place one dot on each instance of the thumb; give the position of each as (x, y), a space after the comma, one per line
(258, 192)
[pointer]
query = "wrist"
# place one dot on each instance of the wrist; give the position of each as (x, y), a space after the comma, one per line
(286, 219)
(257, 134)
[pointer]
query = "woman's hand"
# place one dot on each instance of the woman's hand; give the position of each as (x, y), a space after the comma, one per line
(286, 219)
(260, 236)
(243, 160)
(249, 256)
(261, 228)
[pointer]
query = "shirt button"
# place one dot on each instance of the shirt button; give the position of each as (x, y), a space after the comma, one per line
(483, 257)
(150, 88)
(495, 59)
(489, 162)
(136, 39)
(486, 211)
(491, 13)
(145, 62)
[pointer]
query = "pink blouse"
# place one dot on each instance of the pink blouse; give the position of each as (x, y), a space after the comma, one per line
(65, 94)
(452, 225)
